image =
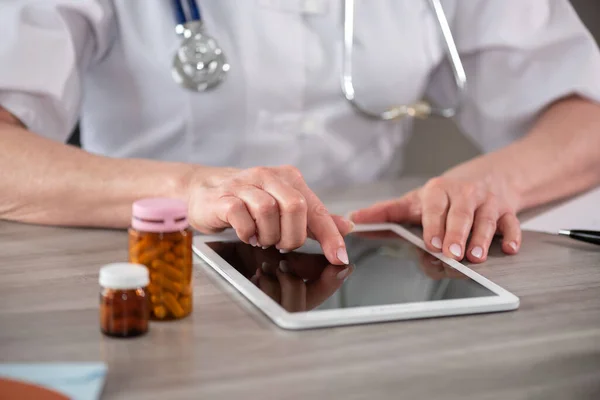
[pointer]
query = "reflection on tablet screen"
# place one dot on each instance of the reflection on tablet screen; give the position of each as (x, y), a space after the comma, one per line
(384, 269)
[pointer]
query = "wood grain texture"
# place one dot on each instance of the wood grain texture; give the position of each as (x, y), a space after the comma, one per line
(548, 349)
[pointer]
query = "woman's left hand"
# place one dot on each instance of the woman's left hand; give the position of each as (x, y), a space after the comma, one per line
(452, 208)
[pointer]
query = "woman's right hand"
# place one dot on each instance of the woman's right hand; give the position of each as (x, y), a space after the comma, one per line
(267, 206)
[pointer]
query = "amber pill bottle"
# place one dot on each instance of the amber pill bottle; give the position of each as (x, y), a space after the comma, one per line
(160, 238)
(124, 306)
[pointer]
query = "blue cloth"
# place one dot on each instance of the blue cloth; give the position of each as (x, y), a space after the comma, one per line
(79, 381)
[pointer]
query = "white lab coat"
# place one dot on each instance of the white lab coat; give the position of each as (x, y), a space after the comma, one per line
(108, 62)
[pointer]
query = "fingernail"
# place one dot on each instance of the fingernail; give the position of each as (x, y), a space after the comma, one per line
(265, 266)
(265, 247)
(513, 245)
(283, 266)
(436, 242)
(435, 262)
(253, 241)
(342, 255)
(343, 274)
(477, 252)
(283, 251)
(456, 250)
(352, 225)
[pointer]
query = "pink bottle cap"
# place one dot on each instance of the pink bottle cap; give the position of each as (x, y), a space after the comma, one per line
(159, 215)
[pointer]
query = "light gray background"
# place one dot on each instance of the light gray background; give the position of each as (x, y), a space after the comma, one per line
(437, 144)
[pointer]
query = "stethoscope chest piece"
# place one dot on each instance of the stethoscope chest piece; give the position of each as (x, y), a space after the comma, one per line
(199, 63)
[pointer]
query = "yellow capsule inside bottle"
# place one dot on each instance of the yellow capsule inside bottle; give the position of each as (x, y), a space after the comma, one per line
(161, 239)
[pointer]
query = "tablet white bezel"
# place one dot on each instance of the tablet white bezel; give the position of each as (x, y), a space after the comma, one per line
(503, 301)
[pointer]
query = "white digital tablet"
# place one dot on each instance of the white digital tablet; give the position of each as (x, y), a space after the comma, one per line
(391, 276)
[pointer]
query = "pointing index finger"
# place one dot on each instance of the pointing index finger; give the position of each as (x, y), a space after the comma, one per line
(323, 228)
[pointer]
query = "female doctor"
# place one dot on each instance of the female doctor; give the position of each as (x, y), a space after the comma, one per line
(522, 78)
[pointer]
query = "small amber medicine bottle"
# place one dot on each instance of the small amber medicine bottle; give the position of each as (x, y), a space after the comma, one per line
(124, 306)
(160, 238)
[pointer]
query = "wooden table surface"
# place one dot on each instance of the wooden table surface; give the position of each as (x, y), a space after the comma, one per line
(548, 349)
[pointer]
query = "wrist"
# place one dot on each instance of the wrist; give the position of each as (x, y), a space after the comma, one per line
(198, 176)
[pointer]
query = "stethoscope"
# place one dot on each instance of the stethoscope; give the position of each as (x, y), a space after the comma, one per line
(200, 64)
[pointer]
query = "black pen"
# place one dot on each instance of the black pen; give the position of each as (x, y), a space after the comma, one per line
(581, 235)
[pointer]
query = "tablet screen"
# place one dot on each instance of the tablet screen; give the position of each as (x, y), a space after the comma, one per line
(384, 269)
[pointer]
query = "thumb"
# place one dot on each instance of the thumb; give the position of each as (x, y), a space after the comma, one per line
(343, 225)
(404, 209)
